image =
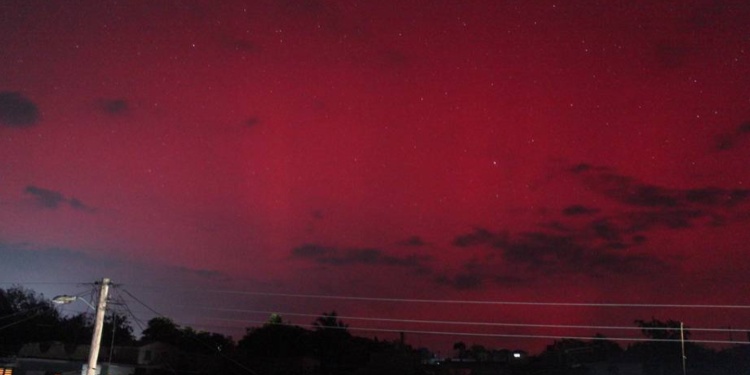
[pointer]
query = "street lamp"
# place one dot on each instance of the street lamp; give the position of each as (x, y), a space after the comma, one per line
(66, 299)
(101, 308)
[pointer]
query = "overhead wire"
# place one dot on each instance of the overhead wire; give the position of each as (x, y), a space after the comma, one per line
(232, 360)
(129, 312)
(479, 302)
(506, 335)
(467, 323)
(32, 316)
(485, 302)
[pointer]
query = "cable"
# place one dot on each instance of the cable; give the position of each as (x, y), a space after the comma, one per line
(21, 321)
(130, 312)
(12, 315)
(142, 304)
(504, 335)
(492, 324)
(39, 283)
(468, 302)
(222, 355)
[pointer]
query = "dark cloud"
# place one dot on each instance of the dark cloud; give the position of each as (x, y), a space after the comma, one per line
(17, 111)
(509, 280)
(472, 276)
(203, 274)
(596, 243)
(415, 241)
(708, 196)
(480, 236)
(310, 251)
(654, 207)
(605, 230)
(578, 209)
(252, 121)
(579, 168)
(630, 191)
(475, 275)
(706, 16)
(461, 281)
(47, 198)
(670, 219)
(597, 250)
(556, 254)
(365, 256)
(114, 107)
(54, 199)
(241, 45)
(671, 54)
(728, 141)
(724, 142)
(304, 6)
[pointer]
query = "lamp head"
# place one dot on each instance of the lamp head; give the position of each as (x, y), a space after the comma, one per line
(64, 299)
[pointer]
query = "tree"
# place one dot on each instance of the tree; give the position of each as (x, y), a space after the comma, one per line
(275, 341)
(460, 346)
(662, 352)
(604, 348)
(162, 329)
(329, 321)
(275, 319)
(332, 342)
(119, 326)
(658, 330)
(76, 330)
(25, 317)
(479, 353)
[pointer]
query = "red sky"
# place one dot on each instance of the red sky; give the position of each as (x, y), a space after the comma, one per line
(481, 151)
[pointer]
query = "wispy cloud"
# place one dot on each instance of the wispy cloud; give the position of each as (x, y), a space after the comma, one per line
(16, 110)
(730, 140)
(364, 256)
(413, 241)
(114, 107)
(52, 199)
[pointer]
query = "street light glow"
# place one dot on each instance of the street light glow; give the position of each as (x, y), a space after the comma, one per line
(64, 299)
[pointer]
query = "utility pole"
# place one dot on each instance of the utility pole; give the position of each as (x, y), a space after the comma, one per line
(96, 339)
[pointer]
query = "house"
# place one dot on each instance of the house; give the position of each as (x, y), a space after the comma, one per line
(60, 358)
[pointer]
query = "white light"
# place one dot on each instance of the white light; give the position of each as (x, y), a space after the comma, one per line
(62, 300)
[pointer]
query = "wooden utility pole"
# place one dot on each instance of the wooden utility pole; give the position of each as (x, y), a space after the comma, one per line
(96, 339)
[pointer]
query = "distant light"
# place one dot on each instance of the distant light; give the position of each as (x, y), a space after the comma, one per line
(516, 355)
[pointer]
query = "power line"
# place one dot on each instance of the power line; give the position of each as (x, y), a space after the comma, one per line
(466, 302)
(508, 335)
(40, 283)
(129, 312)
(240, 365)
(32, 316)
(490, 324)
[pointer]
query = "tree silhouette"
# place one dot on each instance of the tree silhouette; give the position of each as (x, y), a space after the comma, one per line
(329, 321)
(117, 326)
(275, 340)
(162, 329)
(662, 354)
(658, 330)
(332, 342)
(25, 317)
(460, 346)
(76, 330)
